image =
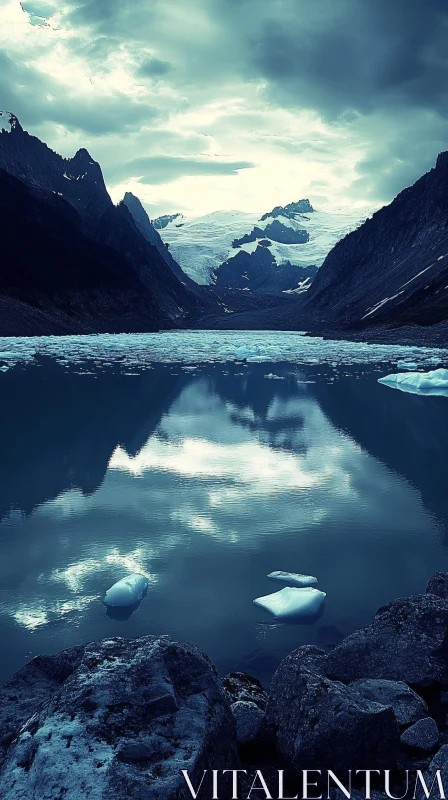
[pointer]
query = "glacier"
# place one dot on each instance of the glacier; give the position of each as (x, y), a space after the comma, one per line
(292, 577)
(434, 382)
(201, 244)
(126, 592)
(292, 603)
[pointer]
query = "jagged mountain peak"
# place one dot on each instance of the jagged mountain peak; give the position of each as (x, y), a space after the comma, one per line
(9, 123)
(290, 210)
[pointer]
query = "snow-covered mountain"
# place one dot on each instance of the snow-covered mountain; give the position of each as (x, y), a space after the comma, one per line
(201, 244)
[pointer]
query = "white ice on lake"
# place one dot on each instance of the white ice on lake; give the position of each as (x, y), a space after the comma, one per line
(142, 350)
(292, 603)
(433, 382)
(292, 577)
(127, 591)
(412, 365)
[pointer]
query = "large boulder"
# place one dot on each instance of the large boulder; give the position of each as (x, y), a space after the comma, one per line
(124, 722)
(407, 641)
(319, 721)
(407, 706)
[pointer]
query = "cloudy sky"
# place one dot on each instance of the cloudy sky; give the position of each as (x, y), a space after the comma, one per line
(200, 105)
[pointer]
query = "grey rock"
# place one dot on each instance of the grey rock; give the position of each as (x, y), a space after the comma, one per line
(250, 723)
(117, 718)
(438, 585)
(423, 735)
(241, 686)
(407, 641)
(407, 706)
(248, 701)
(439, 762)
(319, 721)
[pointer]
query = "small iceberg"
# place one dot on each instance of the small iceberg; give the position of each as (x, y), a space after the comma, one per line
(292, 577)
(433, 382)
(126, 592)
(407, 365)
(295, 604)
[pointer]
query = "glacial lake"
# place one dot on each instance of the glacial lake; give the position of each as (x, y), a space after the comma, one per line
(206, 460)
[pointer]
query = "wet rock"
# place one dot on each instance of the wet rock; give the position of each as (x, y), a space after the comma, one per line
(423, 735)
(124, 721)
(319, 721)
(438, 585)
(407, 641)
(407, 706)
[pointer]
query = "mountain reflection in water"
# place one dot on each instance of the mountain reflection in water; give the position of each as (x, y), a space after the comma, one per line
(207, 480)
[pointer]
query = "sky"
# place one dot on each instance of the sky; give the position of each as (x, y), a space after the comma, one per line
(205, 105)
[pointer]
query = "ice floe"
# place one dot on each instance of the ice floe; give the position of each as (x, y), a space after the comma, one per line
(292, 577)
(143, 350)
(293, 603)
(127, 592)
(412, 365)
(433, 382)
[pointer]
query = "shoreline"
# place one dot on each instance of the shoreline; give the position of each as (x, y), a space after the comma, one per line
(133, 718)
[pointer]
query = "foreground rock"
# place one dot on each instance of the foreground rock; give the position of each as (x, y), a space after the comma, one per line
(407, 706)
(319, 721)
(115, 719)
(407, 641)
(422, 736)
(248, 702)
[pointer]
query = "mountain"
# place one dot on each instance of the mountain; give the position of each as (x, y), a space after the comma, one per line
(151, 234)
(165, 219)
(290, 210)
(258, 272)
(202, 244)
(393, 270)
(166, 299)
(54, 278)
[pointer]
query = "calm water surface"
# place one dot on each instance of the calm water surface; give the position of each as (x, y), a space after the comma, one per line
(206, 476)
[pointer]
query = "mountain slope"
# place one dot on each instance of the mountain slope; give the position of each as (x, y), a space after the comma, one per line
(393, 270)
(54, 278)
(80, 182)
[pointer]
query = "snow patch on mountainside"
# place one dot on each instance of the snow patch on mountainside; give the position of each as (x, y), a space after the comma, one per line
(200, 245)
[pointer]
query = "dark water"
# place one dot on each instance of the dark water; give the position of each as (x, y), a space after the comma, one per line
(207, 481)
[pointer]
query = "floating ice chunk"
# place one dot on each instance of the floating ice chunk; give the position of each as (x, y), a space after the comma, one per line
(433, 382)
(293, 603)
(407, 365)
(292, 577)
(127, 591)
(4, 369)
(273, 377)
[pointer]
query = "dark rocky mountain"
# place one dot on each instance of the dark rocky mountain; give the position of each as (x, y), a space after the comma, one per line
(392, 270)
(55, 278)
(161, 222)
(149, 232)
(290, 210)
(259, 272)
(78, 180)
(286, 235)
(275, 231)
(164, 298)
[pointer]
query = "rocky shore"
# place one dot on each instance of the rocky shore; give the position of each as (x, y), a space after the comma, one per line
(149, 718)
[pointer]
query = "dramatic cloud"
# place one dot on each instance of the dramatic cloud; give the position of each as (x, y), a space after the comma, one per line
(345, 102)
